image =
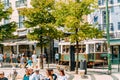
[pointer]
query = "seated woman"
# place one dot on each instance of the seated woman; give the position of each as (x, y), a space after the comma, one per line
(26, 76)
(49, 75)
(62, 75)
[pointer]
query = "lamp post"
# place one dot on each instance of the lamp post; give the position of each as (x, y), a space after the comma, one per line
(108, 38)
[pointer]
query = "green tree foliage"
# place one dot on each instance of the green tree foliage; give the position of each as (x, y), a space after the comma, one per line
(71, 14)
(41, 21)
(6, 30)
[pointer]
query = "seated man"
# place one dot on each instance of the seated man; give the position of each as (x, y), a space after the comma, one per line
(2, 76)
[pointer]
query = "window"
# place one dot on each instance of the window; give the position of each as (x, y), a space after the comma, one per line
(111, 2)
(95, 18)
(99, 27)
(6, 21)
(112, 9)
(118, 25)
(104, 17)
(99, 2)
(111, 27)
(21, 20)
(20, 3)
(118, 1)
(6, 3)
(103, 1)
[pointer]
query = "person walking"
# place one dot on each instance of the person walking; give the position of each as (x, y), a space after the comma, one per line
(4, 57)
(34, 59)
(29, 62)
(22, 61)
(13, 74)
(1, 59)
(57, 58)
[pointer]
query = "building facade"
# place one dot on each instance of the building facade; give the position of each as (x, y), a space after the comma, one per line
(21, 44)
(98, 18)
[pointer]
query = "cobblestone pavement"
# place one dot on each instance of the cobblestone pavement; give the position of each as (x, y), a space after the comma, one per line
(92, 74)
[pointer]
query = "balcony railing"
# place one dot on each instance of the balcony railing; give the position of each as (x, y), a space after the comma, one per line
(102, 27)
(102, 3)
(21, 3)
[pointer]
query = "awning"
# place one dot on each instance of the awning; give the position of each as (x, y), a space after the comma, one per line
(115, 42)
(19, 43)
(8, 44)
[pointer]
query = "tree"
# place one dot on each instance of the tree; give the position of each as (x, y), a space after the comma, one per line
(70, 14)
(6, 30)
(40, 19)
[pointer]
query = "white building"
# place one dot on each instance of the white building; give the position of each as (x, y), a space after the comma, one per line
(99, 17)
(22, 44)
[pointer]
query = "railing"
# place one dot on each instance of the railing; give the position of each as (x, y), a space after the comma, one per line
(102, 27)
(102, 3)
(21, 3)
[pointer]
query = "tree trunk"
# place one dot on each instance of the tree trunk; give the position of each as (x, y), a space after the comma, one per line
(41, 57)
(77, 57)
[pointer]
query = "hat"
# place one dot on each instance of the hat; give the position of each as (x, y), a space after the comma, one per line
(36, 69)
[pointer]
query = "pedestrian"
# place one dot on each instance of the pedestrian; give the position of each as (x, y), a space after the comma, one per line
(29, 62)
(5, 57)
(53, 75)
(22, 61)
(34, 59)
(2, 77)
(13, 74)
(62, 75)
(49, 75)
(27, 74)
(57, 58)
(44, 58)
(1, 59)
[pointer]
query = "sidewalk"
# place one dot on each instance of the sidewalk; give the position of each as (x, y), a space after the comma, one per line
(92, 74)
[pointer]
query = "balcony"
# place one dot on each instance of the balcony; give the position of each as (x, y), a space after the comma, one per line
(102, 27)
(21, 3)
(101, 4)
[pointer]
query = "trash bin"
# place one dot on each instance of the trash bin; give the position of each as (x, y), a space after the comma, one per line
(83, 65)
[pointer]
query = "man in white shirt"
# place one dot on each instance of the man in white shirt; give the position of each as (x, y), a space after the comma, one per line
(37, 75)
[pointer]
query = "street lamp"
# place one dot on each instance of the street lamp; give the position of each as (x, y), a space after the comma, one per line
(108, 38)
